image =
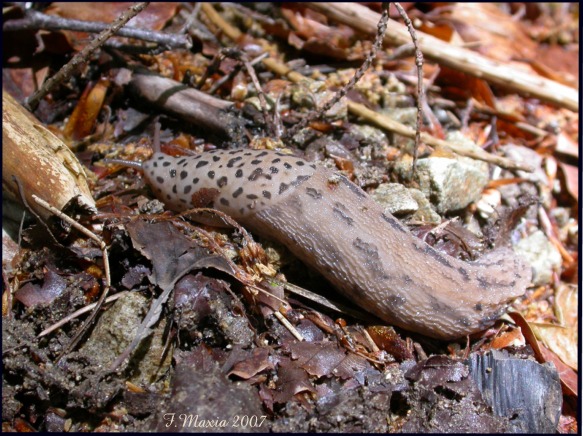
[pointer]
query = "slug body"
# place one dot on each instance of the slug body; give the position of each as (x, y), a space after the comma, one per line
(334, 226)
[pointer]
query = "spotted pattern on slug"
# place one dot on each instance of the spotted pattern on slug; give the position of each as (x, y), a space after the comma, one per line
(244, 180)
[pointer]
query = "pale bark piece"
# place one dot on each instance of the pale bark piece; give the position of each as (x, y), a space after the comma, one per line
(43, 164)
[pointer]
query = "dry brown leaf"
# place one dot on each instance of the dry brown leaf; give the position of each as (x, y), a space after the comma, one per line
(84, 117)
(500, 35)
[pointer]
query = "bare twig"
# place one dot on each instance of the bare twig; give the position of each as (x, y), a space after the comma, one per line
(78, 313)
(420, 91)
(288, 325)
(37, 20)
(80, 58)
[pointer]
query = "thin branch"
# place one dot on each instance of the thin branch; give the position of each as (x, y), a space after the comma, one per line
(420, 90)
(80, 58)
(34, 20)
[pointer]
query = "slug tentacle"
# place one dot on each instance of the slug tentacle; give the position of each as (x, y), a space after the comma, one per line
(331, 224)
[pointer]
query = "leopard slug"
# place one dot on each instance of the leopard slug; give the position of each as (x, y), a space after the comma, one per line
(334, 226)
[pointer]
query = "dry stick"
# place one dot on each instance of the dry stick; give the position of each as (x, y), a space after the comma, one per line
(420, 90)
(289, 326)
(381, 29)
(77, 313)
(80, 58)
(37, 20)
(387, 123)
(103, 248)
(363, 19)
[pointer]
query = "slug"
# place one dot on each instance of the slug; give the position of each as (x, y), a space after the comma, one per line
(334, 226)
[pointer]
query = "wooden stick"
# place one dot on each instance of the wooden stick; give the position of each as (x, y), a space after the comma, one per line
(365, 20)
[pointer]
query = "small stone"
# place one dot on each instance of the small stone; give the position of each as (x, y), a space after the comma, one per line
(542, 255)
(395, 198)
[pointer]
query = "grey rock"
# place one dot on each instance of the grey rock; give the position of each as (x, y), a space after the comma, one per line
(542, 255)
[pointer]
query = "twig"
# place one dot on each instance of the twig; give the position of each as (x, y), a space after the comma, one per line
(77, 313)
(420, 91)
(80, 58)
(37, 20)
(288, 325)
(106, 269)
(243, 58)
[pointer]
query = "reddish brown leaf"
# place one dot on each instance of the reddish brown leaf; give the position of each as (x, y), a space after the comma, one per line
(256, 361)
(84, 117)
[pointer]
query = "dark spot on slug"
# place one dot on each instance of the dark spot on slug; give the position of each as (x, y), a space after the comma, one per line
(183, 175)
(187, 189)
(483, 282)
(266, 194)
(239, 174)
(257, 172)
(166, 164)
(222, 181)
(314, 193)
(202, 163)
(161, 157)
(393, 222)
(427, 249)
(407, 279)
(287, 165)
(174, 189)
(252, 197)
(371, 259)
(180, 162)
(463, 321)
(172, 173)
(355, 189)
(256, 161)
(340, 211)
(216, 158)
(211, 175)
(238, 192)
(155, 164)
(396, 300)
(195, 180)
(299, 180)
(232, 161)
(160, 179)
(263, 153)
(224, 201)
(276, 160)
(300, 163)
(464, 273)
(273, 170)
(283, 187)
(478, 307)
